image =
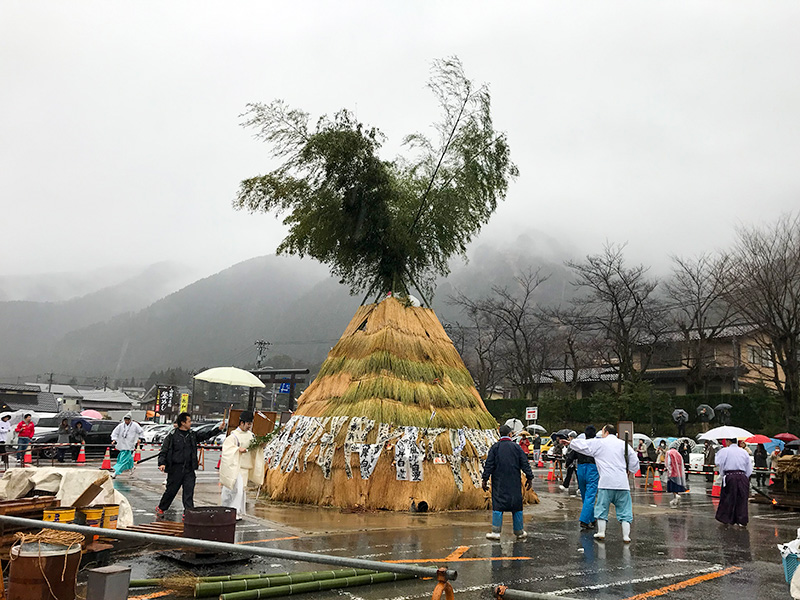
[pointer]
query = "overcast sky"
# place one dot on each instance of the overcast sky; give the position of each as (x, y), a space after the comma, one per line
(661, 124)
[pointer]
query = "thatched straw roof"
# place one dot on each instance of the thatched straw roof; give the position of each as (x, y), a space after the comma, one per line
(394, 392)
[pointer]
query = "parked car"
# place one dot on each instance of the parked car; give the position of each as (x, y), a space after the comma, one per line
(161, 432)
(153, 431)
(97, 440)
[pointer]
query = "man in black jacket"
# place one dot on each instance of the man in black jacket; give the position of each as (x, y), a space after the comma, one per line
(178, 459)
(503, 465)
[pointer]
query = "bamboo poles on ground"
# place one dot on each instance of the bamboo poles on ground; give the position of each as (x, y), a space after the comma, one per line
(208, 588)
(314, 586)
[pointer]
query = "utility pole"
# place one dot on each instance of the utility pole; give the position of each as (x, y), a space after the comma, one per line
(50, 383)
(262, 348)
(105, 384)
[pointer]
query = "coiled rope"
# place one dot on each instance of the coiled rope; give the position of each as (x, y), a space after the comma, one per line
(68, 539)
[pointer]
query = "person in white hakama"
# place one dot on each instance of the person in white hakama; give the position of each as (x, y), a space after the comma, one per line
(236, 464)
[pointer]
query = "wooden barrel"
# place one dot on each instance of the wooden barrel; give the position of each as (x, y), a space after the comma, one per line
(37, 568)
(213, 523)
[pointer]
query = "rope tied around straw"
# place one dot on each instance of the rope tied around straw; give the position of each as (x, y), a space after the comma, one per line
(48, 536)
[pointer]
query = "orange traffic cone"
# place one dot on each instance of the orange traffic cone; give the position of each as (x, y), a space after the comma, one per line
(638, 473)
(540, 464)
(657, 484)
(716, 488)
(107, 460)
(551, 474)
(219, 462)
(28, 456)
(82, 454)
(137, 456)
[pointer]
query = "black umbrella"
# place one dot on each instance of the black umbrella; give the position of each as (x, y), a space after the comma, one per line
(85, 423)
(679, 415)
(705, 412)
(793, 444)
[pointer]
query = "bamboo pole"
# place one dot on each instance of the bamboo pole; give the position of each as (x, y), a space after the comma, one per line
(206, 589)
(314, 586)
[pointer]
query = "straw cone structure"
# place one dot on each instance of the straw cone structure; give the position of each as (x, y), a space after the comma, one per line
(393, 380)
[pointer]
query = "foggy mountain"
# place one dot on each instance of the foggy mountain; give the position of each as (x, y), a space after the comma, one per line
(295, 305)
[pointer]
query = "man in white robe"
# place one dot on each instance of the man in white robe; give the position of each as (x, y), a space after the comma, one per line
(236, 464)
(125, 437)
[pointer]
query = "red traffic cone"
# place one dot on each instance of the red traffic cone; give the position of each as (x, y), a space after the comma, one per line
(107, 460)
(657, 484)
(716, 489)
(219, 462)
(638, 473)
(28, 456)
(137, 456)
(540, 464)
(551, 474)
(82, 454)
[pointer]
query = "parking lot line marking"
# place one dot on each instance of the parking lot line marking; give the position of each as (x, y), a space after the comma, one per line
(291, 537)
(441, 560)
(457, 553)
(684, 584)
(600, 586)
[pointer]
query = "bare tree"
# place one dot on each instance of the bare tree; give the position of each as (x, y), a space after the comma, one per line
(699, 292)
(766, 273)
(516, 333)
(620, 307)
(478, 342)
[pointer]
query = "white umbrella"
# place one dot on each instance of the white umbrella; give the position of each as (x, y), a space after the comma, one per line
(230, 376)
(640, 437)
(515, 424)
(18, 416)
(536, 428)
(726, 432)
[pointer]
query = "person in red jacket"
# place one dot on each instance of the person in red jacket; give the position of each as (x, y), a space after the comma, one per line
(24, 431)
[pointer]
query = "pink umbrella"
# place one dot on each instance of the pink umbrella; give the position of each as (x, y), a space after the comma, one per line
(91, 414)
(785, 437)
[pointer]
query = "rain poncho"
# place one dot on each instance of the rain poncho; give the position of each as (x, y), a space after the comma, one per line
(676, 474)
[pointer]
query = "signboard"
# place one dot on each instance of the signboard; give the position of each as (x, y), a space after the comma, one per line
(532, 413)
(166, 399)
(285, 388)
(184, 402)
(625, 428)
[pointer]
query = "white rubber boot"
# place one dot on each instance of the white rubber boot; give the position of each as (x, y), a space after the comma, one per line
(626, 532)
(601, 530)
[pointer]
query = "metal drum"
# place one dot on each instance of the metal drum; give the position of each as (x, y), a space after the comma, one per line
(213, 523)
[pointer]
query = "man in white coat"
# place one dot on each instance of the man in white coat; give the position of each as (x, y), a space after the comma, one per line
(236, 463)
(124, 438)
(614, 459)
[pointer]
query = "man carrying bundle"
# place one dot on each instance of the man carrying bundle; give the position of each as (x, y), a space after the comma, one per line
(235, 465)
(504, 463)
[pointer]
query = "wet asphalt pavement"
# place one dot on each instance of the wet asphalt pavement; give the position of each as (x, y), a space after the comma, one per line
(676, 553)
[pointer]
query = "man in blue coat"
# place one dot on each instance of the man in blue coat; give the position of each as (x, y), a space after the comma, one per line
(504, 463)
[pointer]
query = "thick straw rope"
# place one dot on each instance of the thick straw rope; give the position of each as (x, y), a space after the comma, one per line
(48, 536)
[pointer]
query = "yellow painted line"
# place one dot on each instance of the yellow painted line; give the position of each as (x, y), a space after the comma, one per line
(457, 553)
(441, 560)
(291, 537)
(684, 584)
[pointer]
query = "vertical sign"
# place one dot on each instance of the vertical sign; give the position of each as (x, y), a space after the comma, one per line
(184, 402)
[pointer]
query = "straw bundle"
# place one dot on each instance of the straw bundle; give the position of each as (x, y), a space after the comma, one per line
(395, 366)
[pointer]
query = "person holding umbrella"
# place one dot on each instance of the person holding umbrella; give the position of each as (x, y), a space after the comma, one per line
(735, 467)
(760, 463)
(125, 437)
(235, 465)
